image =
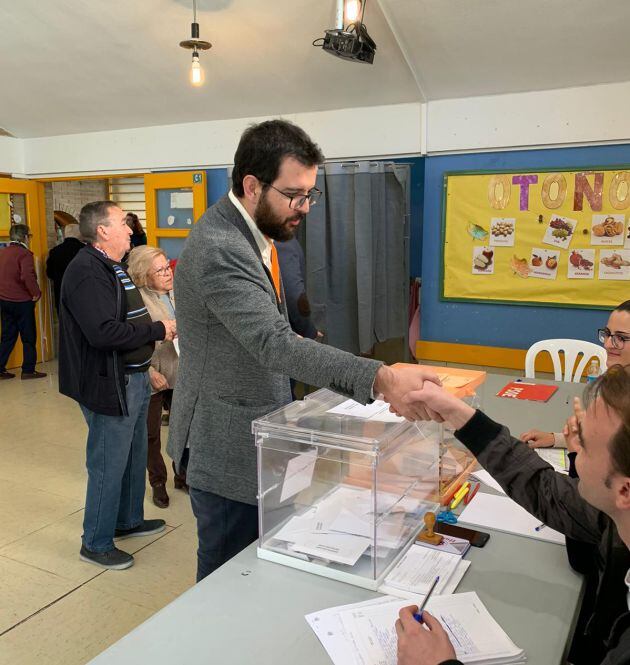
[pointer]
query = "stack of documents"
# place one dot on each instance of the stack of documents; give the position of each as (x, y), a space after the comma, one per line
(419, 567)
(341, 526)
(364, 633)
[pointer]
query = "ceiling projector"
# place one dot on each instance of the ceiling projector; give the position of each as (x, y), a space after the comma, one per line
(350, 44)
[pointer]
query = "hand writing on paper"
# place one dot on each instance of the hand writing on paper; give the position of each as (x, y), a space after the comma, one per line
(425, 643)
(396, 382)
(570, 430)
(536, 438)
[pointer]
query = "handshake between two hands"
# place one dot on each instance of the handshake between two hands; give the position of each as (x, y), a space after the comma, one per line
(416, 393)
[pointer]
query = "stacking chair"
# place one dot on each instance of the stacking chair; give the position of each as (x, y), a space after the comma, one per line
(571, 349)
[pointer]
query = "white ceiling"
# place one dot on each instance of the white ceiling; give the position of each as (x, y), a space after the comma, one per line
(70, 66)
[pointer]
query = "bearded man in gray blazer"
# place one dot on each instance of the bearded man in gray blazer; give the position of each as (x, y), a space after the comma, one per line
(237, 349)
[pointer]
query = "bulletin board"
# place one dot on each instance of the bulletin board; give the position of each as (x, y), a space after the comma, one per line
(549, 237)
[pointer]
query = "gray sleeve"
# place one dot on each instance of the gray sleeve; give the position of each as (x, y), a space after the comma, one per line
(236, 293)
(530, 481)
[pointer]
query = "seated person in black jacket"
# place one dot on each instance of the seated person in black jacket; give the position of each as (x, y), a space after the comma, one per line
(587, 509)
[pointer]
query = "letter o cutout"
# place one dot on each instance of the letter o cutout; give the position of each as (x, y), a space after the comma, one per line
(499, 202)
(618, 182)
(545, 194)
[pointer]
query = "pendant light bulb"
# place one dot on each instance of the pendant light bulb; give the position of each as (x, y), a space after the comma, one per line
(196, 73)
(353, 10)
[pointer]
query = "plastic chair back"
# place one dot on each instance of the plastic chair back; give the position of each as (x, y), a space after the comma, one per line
(571, 348)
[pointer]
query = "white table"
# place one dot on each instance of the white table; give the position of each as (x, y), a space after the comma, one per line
(252, 611)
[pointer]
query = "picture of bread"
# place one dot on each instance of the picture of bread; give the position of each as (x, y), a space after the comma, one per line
(599, 230)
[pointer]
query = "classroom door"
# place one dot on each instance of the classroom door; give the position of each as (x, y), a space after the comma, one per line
(174, 201)
(22, 202)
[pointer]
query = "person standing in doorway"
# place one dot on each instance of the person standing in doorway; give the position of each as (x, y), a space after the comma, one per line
(19, 293)
(60, 256)
(138, 235)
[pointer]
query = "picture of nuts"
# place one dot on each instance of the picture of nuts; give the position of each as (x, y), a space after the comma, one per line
(609, 228)
(502, 228)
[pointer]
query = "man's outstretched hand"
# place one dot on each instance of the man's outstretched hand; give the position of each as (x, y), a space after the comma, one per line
(395, 382)
(438, 404)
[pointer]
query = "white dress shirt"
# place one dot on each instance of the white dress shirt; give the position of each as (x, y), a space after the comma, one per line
(264, 244)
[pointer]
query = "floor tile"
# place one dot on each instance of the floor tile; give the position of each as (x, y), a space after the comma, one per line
(25, 590)
(162, 572)
(25, 510)
(55, 549)
(73, 630)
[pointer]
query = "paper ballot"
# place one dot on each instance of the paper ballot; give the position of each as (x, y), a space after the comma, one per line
(378, 410)
(503, 514)
(419, 567)
(364, 633)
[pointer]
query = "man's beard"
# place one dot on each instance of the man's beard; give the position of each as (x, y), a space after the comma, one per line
(272, 225)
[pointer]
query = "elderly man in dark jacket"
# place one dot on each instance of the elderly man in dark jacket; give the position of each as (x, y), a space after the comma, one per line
(106, 342)
(19, 292)
(589, 510)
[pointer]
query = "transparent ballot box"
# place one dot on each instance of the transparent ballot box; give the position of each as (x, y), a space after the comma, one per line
(456, 461)
(343, 488)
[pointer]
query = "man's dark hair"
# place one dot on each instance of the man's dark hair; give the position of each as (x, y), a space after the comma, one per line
(614, 389)
(133, 222)
(93, 215)
(19, 233)
(263, 147)
(624, 307)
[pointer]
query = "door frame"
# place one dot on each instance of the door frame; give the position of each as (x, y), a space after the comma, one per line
(35, 201)
(195, 180)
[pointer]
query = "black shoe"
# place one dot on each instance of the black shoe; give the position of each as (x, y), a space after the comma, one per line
(6, 375)
(33, 375)
(147, 528)
(113, 560)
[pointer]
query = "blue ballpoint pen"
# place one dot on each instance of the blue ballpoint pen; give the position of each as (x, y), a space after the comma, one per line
(418, 615)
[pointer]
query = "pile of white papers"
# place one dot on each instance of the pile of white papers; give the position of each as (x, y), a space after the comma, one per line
(341, 526)
(419, 567)
(364, 633)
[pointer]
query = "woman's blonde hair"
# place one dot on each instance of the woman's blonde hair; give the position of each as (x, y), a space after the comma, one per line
(140, 262)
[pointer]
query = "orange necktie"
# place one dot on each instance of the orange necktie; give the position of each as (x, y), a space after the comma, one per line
(275, 271)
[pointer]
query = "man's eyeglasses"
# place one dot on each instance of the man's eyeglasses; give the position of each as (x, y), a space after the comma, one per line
(298, 200)
(162, 271)
(617, 341)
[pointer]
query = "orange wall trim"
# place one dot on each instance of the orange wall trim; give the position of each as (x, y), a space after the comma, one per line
(471, 354)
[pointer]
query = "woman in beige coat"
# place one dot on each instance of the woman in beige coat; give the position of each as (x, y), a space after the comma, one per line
(150, 270)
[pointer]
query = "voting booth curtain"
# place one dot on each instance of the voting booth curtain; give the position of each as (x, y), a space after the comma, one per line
(357, 247)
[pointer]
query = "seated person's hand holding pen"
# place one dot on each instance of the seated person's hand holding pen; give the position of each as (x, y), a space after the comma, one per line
(425, 643)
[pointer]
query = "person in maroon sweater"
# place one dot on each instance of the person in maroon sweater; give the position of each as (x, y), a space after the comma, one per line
(19, 292)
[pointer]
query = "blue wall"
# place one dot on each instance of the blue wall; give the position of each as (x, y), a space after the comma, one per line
(216, 184)
(500, 325)
(416, 189)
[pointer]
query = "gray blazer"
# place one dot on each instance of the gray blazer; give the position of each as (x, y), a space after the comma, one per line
(237, 351)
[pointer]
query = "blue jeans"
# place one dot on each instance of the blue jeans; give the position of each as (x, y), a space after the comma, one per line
(224, 528)
(116, 463)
